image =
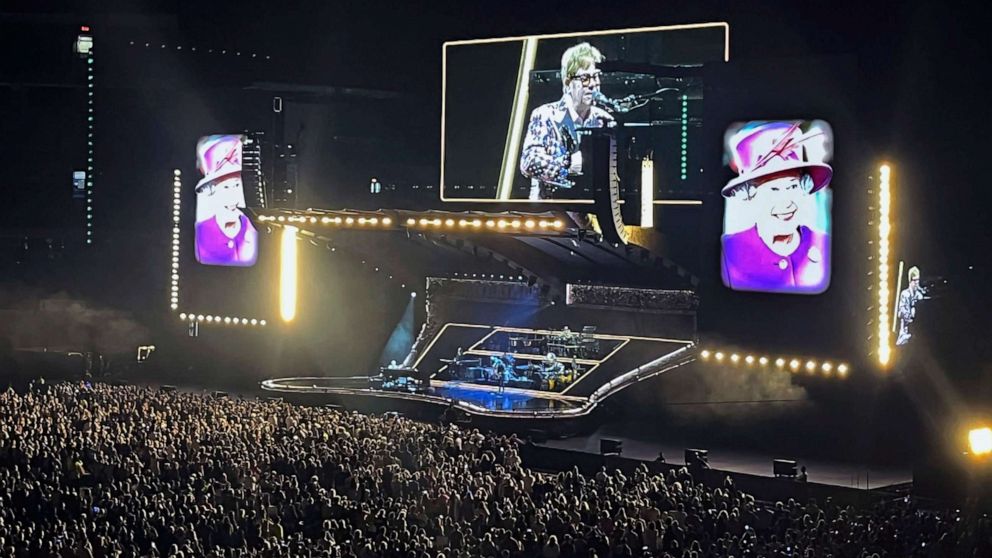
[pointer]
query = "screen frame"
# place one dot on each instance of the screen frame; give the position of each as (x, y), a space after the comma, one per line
(444, 88)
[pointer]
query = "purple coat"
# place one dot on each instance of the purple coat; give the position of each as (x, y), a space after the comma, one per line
(750, 265)
(213, 247)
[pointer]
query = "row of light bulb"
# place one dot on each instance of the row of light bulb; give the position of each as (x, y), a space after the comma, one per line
(488, 223)
(209, 318)
(795, 364)
(177, 186)
(384, 221)
(884, 228)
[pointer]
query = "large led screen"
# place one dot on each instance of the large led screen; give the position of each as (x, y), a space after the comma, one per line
(776, 227)
(515, 111)
(224, 234)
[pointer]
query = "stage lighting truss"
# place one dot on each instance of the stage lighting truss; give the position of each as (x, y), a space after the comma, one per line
(796, 365)
(192, 317)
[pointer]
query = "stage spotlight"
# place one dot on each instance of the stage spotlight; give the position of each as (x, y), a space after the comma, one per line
(413, 295)
(199, 317)
(734, 358)
(749, 359)
(558, 224)
(763, 361)
(349, 220)
(705, 355)
(827, 367)
(529, 223)
(287, 275)
(254, 321)
(261, 322)
(449, 222)
(210, 318)
(810, 366)
(780, 362)
(719, 356)
(411, 222)
(182, 315)
(980, 441)
(842, 370)
(387, 221)
(424, 221)
(227, 319)
(794, 364)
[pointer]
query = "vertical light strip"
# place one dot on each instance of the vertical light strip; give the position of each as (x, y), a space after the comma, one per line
(685, 137)
(177, 187)
(895, 298)
(884, 228)
(90, 85)
(647, 193)
(518, 119)
(287, 275)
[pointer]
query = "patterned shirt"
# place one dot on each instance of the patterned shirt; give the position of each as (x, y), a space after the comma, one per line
(552, 138)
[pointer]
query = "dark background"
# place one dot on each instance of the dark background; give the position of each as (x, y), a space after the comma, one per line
(901, 82)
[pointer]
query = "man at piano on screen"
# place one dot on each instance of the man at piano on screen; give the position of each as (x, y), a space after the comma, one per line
(550, 153)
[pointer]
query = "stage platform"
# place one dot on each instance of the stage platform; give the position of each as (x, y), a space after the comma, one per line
(485, 400)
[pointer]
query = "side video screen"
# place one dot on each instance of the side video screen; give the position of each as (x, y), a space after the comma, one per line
(224, 234)
(776, 227)
(514, 111)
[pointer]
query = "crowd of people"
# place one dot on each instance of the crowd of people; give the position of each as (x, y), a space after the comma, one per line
(121, 471)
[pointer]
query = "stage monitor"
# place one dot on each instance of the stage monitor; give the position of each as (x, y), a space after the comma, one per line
(777, 220)
(224, 234)
(515, 111)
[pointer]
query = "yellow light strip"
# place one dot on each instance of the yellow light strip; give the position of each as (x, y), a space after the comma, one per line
(518, 119)
(678, 202)
(177, 187)
(795, 364)
(884, 229)
(647, 193)
(444, 80)
(287, 275)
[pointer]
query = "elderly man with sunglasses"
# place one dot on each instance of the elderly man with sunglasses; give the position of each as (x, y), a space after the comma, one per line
(550, 152)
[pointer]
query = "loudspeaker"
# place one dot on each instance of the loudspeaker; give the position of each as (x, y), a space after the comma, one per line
(783, 468)
(610, 447)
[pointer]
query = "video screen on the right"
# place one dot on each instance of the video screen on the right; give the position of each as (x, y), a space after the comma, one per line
(777, 221)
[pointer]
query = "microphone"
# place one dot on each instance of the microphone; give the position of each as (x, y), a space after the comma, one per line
(611, 105)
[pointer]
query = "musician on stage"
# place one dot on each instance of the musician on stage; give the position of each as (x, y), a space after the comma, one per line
(906, 310)
(550, 152)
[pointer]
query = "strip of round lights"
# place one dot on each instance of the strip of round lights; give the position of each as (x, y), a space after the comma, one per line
(884, 229)
(685, 137)
(90, 124)
(177, 188)
(826, 368)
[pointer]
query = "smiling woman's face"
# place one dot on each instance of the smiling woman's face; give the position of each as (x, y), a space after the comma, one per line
(776, 204)
(227, 197)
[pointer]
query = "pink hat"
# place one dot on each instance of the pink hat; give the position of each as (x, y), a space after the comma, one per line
(218, 157)
(765, 148)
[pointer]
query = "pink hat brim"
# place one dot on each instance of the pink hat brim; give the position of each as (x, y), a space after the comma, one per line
(821, 174)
